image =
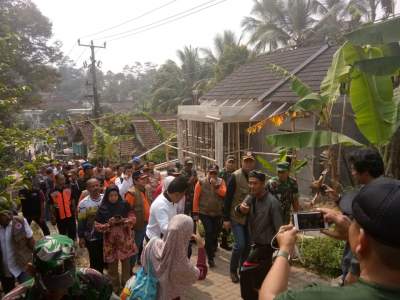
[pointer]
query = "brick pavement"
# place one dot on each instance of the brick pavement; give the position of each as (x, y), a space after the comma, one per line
(218, 285)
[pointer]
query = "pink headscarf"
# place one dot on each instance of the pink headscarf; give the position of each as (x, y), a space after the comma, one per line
(169, 258)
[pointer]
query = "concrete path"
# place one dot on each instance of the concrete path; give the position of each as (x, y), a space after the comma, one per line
(218, 285)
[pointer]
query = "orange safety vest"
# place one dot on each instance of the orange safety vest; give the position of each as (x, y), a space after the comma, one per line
(62, 201)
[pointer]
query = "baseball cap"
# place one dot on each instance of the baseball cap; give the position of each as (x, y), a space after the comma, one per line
(213, 168)
(376, 208)
(188, 160)
(139, 174)
(172, 171)
(282, 166)
(87, 165)
(230, 157)
(248, 155)
(136, 159)
(257, 174)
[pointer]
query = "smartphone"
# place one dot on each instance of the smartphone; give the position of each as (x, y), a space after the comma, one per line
(308, 221)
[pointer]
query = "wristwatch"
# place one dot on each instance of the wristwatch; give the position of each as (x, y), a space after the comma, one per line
(283, 254)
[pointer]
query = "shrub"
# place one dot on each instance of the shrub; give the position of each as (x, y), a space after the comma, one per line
(322, 254)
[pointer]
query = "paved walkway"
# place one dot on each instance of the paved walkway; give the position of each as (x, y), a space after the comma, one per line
(218, 285)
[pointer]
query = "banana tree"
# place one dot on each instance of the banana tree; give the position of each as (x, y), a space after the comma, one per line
(365, 65)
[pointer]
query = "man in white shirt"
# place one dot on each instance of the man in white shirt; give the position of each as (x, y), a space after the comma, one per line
(16, 246)
(172, 173)
(164, 208)
(125, 182)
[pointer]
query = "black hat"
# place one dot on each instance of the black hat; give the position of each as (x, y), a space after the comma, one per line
(377, 209)
(172, 171)
(257, 174)
(139, 174)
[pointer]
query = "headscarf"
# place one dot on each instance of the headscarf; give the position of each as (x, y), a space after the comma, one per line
(169, 259)
(107, 210)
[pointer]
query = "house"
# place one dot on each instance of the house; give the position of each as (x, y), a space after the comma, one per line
(144, 137)
(218, 126)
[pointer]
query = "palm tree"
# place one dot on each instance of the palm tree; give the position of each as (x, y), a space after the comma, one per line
(221, 41)
(369, 8)
(193, 68)
(226, 56)
(277, 23)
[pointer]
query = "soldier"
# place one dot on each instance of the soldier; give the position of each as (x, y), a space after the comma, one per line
(285, 189)
(189, 172)
(56, 277)
(226, 174)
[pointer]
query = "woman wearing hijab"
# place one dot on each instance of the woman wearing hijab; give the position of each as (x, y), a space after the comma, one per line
(115, 220)
(168, 257)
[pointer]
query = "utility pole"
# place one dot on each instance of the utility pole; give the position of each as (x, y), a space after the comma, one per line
(96, 106)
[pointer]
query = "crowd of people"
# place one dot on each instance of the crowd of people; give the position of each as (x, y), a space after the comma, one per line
(130, 217)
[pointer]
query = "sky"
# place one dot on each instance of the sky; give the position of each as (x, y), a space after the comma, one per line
(73, 19)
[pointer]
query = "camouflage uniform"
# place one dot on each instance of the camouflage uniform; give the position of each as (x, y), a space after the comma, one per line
(90, 284)
(53, 259)
(286, 192)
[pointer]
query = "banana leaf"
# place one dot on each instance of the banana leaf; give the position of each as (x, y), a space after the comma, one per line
(371, 98)
(311, 102)
(379, 66)
(310, 139)
(300, 88)
(330, 85)
(375, 34)
(267, 165)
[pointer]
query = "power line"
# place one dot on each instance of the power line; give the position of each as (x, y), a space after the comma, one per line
(131, 20)
(80, 56)
(162, 21)
(70, 50)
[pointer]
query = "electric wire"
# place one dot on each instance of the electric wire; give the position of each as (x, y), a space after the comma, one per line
(163, 21)
(131, 20)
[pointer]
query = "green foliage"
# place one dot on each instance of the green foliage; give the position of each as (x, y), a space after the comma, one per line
(376, 34)
(158, 156)
(297, 165)
(330, 85)
(310, 139)
(160, 131)
(379, 66)
(299, 87)
(105, 143)
(25, 56)
(322, 254)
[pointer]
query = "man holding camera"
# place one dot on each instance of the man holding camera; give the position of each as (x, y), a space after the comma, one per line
(264, 220)
(366, 167)
(285, 188)
(373, 239)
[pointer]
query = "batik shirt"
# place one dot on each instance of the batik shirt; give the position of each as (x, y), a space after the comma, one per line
(89, 284)
(87, 210)
(286, 193)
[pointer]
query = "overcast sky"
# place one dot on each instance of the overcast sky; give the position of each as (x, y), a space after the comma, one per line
(73, 19)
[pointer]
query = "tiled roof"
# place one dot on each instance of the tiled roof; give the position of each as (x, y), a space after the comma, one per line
(129, 147)
(146, 133)
(253, 79)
